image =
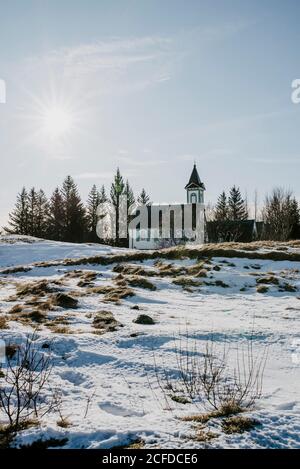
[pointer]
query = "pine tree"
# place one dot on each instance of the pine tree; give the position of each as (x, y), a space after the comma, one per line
(32, 212)
(75, 219)
(103, 196)
(116, 191)
(236, 205)
(143, 198)
(18, 218)
(129, 194)
(42, 215)
(221, 209)
(92, 205)
(56, 221)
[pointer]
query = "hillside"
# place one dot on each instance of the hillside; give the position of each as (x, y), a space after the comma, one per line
(119, 379)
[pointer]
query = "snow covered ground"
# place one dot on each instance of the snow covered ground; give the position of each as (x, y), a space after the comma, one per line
(109, 381)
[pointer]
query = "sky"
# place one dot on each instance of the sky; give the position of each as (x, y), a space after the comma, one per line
(149, 86)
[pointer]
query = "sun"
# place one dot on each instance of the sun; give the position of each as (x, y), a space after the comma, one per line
(57, 121)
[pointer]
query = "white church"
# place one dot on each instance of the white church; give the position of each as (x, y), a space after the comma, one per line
(156, 226)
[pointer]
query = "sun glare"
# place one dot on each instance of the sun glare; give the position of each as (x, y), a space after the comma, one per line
(57, 121)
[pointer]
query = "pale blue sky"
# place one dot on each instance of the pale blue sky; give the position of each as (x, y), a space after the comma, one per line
(151, 86)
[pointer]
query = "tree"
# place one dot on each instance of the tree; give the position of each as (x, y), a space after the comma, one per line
(116, 191)
(237, 209)
(32, 211)
(281, 215)
(102, 195)
(18, 218)
(93, 201)
(42, 214)
(75, 219)
(143, 198)
(221, 209)
(56, 220)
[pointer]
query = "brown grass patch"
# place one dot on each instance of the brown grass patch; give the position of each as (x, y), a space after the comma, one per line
(270, 280)
(187, 282)
(139, 282)
(105, 321)
(262, 289)
(238, 424)
(3, 322)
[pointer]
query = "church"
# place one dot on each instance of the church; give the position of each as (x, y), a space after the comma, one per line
(157, 226)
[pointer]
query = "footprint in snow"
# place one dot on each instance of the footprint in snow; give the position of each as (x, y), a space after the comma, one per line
(118, 410)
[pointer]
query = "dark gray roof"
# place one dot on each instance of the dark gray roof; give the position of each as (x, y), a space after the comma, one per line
(195, 180)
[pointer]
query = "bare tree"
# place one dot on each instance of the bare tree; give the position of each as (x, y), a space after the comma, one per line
(280, 214)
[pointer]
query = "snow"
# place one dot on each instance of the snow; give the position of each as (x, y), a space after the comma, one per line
(109, 382)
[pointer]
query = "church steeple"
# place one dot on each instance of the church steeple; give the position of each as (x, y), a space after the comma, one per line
(195, 188)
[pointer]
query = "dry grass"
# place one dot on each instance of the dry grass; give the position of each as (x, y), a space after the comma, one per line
(57, 329)
(224, 411)
(105, 321)
(139, 282)
(270, 280)
(65, 301)
(3, 322)
(238, 424)
(34, 288)
(204, 436)
(187, 282)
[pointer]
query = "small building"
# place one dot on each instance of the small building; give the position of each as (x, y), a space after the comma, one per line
(242, 231)
(163, 225)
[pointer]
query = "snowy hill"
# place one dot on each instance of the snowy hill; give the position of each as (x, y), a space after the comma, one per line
(112, 370)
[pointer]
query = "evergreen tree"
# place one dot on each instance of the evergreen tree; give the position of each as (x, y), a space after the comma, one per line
(221, 209)
(236, 205)
(103, 196)
(116, 191)
(42, 215)
(75, 219)
(56, 221)
(129, 194)
(18, 218)
(32, 212)
(143, 198)
(92, 205)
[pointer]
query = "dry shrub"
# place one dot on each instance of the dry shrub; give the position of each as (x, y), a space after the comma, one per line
(26, 376)
(206, 377)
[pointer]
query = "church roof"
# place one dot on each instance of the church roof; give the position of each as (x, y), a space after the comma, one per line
(195, 180)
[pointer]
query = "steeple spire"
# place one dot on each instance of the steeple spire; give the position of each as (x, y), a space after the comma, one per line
(195, 188)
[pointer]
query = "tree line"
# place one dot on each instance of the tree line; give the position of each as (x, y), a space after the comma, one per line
(279, 215)
(64, 216)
